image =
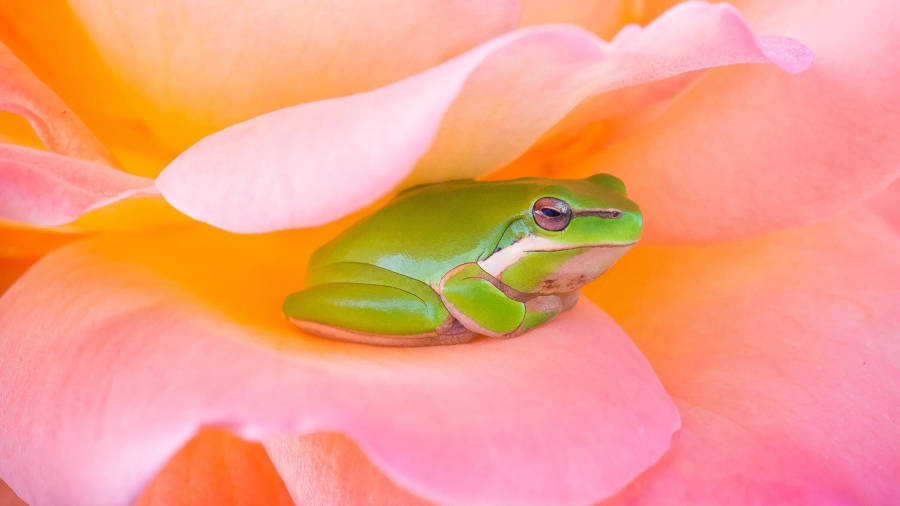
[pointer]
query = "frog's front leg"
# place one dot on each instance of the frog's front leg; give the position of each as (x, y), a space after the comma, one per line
(484, 305)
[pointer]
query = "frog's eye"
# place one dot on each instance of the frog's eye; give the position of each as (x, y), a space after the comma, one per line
(551, 214)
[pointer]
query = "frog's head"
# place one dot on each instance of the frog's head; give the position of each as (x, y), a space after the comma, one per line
(586, 212)
(573, 232)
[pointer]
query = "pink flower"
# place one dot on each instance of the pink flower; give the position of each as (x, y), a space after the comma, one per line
(763, 300)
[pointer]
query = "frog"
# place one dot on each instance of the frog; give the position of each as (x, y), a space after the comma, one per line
(446, 262)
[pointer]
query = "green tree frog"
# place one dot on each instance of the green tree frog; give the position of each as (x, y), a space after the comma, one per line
(444, 262)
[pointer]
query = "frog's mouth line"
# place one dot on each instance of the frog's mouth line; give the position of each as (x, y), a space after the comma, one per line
(500, 260)
(581, 246)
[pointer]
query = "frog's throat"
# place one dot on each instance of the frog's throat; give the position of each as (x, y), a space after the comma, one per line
(500, 260)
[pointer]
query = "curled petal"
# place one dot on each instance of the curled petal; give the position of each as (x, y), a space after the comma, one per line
(782, 355)
(750, 150)
(58, 127)
(11, 269)
(46, 189)
(309, 164)
(151, 338)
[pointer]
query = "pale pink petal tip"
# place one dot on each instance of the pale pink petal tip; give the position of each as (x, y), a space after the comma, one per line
(567, 414)
(46, 189)
(789, 54)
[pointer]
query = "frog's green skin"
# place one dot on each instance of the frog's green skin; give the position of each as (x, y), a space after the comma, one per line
(444, 262)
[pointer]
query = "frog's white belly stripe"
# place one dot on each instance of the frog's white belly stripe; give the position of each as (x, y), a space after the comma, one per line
(500, 260)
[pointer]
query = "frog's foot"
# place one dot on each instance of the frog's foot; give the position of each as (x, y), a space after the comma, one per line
(473, 297)
(484, 305)
(374, 314)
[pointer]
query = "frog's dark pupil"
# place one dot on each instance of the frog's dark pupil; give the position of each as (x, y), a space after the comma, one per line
(552, 213)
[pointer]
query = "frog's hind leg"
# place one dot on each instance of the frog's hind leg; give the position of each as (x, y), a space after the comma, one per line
(405, 312)
(373, 314)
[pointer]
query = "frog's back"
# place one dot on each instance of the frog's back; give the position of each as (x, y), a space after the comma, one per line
(427, 230)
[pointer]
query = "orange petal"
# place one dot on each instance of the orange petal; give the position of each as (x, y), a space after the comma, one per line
(23, 242)
(217, 469)
(604, 18)
(12, 269)
(201, 66)
(8, 497)
(15, 129)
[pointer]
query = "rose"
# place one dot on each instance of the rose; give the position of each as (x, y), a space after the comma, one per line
(117, 348)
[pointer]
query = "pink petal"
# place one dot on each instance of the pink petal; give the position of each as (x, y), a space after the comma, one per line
(311, 163)
(887, 204)
(754, 150)
(126, 345)
(782, 353)
(58, 127)
(46, 189)
(11, 269)
(216, 468)
(201, 66)
(518, 96)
